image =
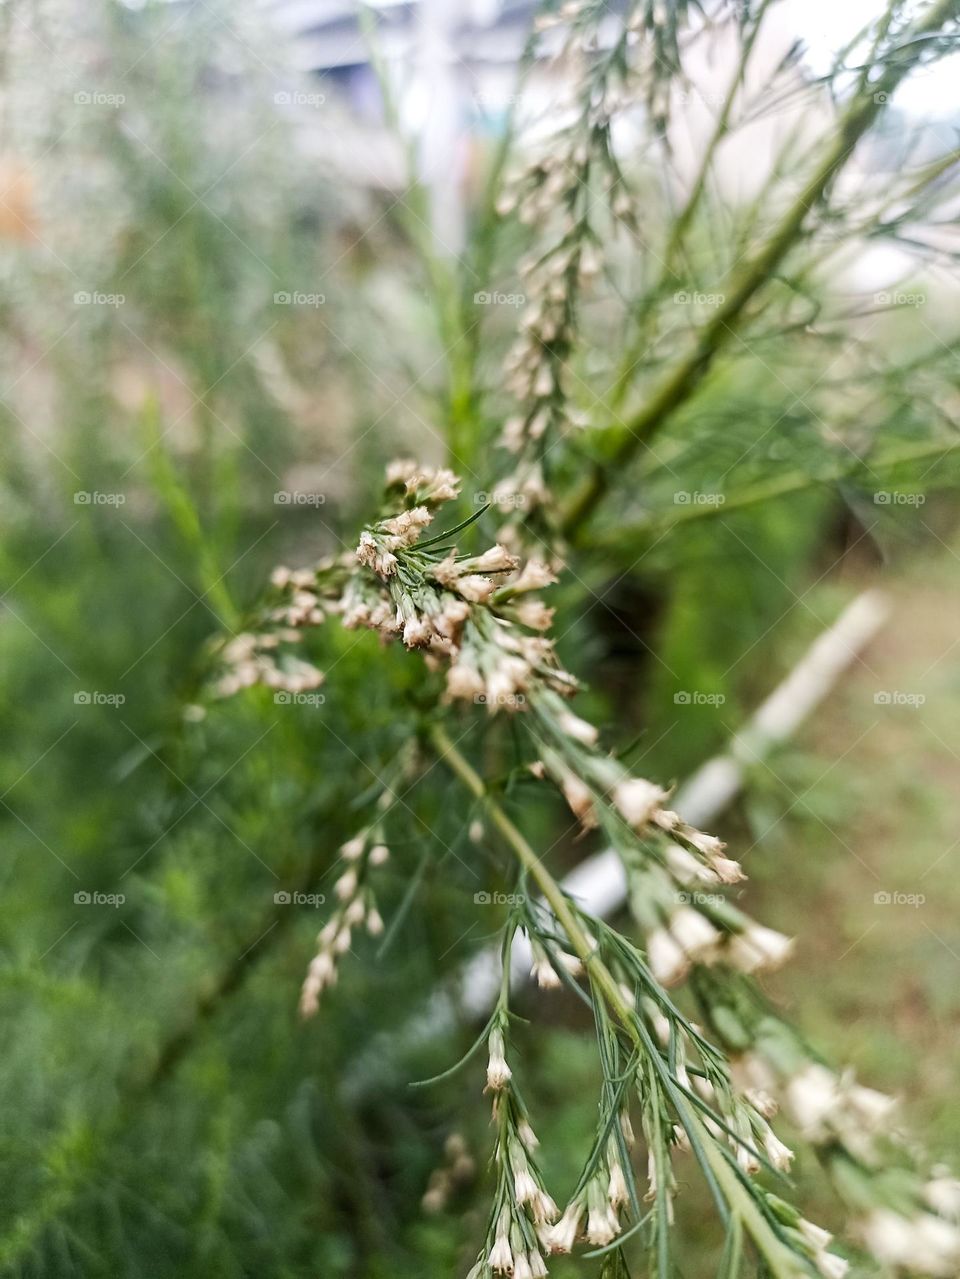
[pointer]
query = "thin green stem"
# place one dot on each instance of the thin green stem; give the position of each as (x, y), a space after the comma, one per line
(792, 481)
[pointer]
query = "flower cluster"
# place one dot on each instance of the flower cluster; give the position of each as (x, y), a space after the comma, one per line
(555, 191)
(356, 908)
(476, 614)
(675, 872)
(267, 659)
(456, 1171)
(905, 1213)
(523, 1210)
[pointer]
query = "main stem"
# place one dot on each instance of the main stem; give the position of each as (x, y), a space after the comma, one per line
(782, 1263)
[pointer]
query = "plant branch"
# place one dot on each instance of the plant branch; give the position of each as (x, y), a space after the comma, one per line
(680, 383)
(792, 481)
(782, 1264)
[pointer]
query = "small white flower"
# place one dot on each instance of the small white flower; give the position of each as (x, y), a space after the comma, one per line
(498, 1072)
(355, 912)
(812, 1098)
(758, 948)
(830, 1265)
(353, 848)
(729, 871)
(521, 1267)
(525, 1188)
(666, 957)
(346, 885)
(495, 560)
(561, 1236)
(374, 922)
(602, 1226)
(544, 974)
(617, 1191)
(873, 1108)
(780, 1156)
(637, 800)
(501, 1258)
(416, 631)
(577, 728)
(694, 933)
(537, 1268)
(943, 1195)
(464, 682)
(534, 576)
(474, 588)
(818, 1238)
(685, 868)
(534, 614)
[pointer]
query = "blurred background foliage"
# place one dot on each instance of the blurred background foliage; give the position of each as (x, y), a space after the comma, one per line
(163, 1110)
